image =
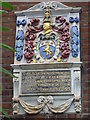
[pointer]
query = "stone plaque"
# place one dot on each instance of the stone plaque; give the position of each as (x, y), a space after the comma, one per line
(47, 60)
(52, 81)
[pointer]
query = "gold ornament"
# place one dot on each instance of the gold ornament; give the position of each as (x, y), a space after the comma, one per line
(34, 61)
(47, 50)
(58, 59)
(47, 22)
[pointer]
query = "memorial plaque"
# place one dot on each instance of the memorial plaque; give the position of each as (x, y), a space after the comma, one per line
(47, 60)
(46, 81)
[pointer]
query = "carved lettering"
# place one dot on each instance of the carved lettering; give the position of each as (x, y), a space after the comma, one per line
(46, 82)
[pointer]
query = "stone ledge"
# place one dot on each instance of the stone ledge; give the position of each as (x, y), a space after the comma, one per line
(34, 66)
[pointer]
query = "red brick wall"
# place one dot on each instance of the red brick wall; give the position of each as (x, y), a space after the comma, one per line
(9, 20)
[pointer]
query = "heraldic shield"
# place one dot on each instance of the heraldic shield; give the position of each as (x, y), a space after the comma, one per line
(47, 48)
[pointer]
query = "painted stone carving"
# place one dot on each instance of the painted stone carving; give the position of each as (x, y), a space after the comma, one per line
(47, 51)
(64, 48)
(20, 40)
(20, 35)
(63, 29)
(46, 41)
(74, 41)
(19, 44)
(47, 22)
(72, 19)
(19, 22)
(74, 36)
(30, 35)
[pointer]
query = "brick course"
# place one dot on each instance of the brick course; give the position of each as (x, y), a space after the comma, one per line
(9, 20)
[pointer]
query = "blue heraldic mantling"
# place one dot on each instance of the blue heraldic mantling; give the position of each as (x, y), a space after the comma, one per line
(19, 44)
(74, 41)
(21, 22)
(72, 19)
(20, 40)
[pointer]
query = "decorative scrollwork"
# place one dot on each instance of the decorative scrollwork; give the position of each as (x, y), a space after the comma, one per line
(63, 29)
(30, 36)
(65, 50)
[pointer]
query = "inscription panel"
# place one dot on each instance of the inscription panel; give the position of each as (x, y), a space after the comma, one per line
(52, 81)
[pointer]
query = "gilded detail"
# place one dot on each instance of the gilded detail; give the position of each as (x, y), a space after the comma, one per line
(47, 22)
(47, 50)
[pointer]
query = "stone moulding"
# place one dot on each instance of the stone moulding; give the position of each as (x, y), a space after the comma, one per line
(46, 65)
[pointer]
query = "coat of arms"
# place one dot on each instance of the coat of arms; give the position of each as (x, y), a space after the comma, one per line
(47, 40)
